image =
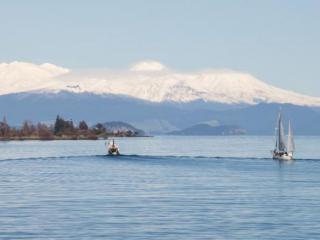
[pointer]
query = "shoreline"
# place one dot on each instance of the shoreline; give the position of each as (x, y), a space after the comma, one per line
(66, 138)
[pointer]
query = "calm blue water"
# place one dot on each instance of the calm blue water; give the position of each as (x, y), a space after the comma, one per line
(161, 188)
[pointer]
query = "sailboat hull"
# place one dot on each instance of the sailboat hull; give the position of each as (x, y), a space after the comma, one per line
(282, 156)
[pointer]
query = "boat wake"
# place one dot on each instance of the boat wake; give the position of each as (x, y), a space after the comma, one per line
(135, 157)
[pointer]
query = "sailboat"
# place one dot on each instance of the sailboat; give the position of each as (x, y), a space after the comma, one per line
(283, 150)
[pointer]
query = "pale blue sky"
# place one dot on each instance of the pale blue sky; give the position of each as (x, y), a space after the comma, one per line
(277, 41)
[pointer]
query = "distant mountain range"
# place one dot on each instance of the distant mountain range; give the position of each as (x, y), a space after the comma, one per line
(208, 130)
(154, 118)
(153, 98)
(150, 81)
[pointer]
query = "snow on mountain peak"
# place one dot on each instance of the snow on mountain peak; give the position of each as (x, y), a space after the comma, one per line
(53, 69)
(23, 76)
(47, 70)
(148, 66)
(147, 81)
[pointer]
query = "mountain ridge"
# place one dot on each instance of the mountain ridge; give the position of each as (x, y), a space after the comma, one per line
(153, 118)
(203, 129)
(149, 81)
(152, 97)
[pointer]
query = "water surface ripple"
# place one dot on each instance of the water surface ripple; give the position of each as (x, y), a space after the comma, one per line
(72, 190)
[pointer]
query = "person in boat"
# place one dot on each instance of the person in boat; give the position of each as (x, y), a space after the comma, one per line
(112, 144)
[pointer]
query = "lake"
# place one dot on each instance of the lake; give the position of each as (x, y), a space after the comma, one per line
(163, 187)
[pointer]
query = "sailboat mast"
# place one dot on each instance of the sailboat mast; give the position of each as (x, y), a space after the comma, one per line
(291, 145)
(279, 131)
(281, 141)
(276, 138)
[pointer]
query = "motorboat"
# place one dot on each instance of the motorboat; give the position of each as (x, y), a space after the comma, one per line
(113, 148)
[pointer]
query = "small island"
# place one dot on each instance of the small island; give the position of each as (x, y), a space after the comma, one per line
(66, 130)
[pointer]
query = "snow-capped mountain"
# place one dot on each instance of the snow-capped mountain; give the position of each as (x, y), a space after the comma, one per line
(150, 81)
(22, 77)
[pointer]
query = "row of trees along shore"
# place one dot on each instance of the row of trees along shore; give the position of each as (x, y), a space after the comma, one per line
(60, 130)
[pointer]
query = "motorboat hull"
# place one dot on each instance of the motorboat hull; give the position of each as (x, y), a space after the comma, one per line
(113, 152)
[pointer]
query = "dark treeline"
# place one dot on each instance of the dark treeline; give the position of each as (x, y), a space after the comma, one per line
(61, 129)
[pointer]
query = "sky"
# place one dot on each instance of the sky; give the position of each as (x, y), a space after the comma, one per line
(277, 41)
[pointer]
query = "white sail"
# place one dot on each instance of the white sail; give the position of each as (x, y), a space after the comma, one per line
(291, 145)
(280, 143)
